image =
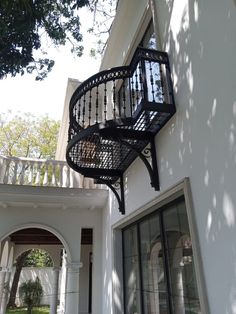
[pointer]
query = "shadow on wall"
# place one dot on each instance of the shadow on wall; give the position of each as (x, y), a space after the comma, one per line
(202, 135)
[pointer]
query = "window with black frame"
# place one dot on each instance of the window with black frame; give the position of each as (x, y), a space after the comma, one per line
(159, 274)
(149, 38)
(132, 90)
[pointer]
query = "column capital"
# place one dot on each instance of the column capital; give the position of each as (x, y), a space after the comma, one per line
(74, 266)
(4, 269)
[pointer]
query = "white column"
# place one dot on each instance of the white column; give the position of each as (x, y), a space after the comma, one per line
(63, 283)
(5, 292)
(54, 297)
(72, 288)
(3, 271)
(178, 291)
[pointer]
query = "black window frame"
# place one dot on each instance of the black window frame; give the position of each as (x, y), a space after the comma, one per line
(160, 211)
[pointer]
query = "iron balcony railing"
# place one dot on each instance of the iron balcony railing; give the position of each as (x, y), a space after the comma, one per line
(122, 92)
(116, 113)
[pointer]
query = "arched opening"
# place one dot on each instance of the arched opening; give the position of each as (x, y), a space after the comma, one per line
(37, 237)
(35, 253)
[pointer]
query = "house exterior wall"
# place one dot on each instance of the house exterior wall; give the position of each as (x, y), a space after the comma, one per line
(198, 142)
(64, 222)
(72, 84)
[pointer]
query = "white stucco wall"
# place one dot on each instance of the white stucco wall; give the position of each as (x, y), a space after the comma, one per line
(64, 222)
(199, 141)
(72, 84)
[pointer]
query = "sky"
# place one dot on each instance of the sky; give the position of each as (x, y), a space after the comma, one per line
(24, 94)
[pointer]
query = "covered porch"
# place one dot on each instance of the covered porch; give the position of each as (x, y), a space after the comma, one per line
(44, 204)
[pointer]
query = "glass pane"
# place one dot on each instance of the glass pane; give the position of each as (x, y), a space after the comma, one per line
(153, 278)
(131, 93)
(131, 272)
(184, 293)
(154, 82)
(130, 242)
(145, 237)
(172, 227)
(132, 303)
(149, 39)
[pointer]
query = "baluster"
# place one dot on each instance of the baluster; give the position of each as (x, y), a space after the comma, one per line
(151, 81)
(6, 175)
(67, 183)
(54, 180)
(141, 80)
(97, 94)
(2, 168)
(136, 87)
(124, 98)
(60, 181)
(84, 105)
(14, 178)
(64, 170)
(105, 102)
(45, 179)
(22, 174)
(132, 95)
(79, 109)
(38, 173)
(162, 84)
(114, 99)
(74, 111)
(31, 173)
(90, 106)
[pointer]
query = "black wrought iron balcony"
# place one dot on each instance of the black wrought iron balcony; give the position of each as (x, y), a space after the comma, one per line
(114, 117)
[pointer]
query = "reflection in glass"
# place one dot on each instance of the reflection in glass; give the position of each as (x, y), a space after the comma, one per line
(153, 278)
(159, 265)
(184, 293)
(131, 271)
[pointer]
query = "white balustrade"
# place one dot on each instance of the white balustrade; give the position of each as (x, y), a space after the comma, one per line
(40, 172)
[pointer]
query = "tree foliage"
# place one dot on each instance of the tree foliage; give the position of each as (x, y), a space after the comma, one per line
(103, 15)
(31, 293)
(38, 258)
(23, 24)
(24, 135)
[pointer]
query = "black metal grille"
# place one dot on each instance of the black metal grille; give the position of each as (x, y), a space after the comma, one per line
(116, 113)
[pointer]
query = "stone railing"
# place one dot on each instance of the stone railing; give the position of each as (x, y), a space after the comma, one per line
(41, 172)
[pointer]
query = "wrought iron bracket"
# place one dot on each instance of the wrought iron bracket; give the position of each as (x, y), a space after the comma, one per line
(144, 156)
(118, 185)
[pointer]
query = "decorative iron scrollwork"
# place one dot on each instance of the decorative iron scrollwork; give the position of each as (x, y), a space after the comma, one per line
(147, 152)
